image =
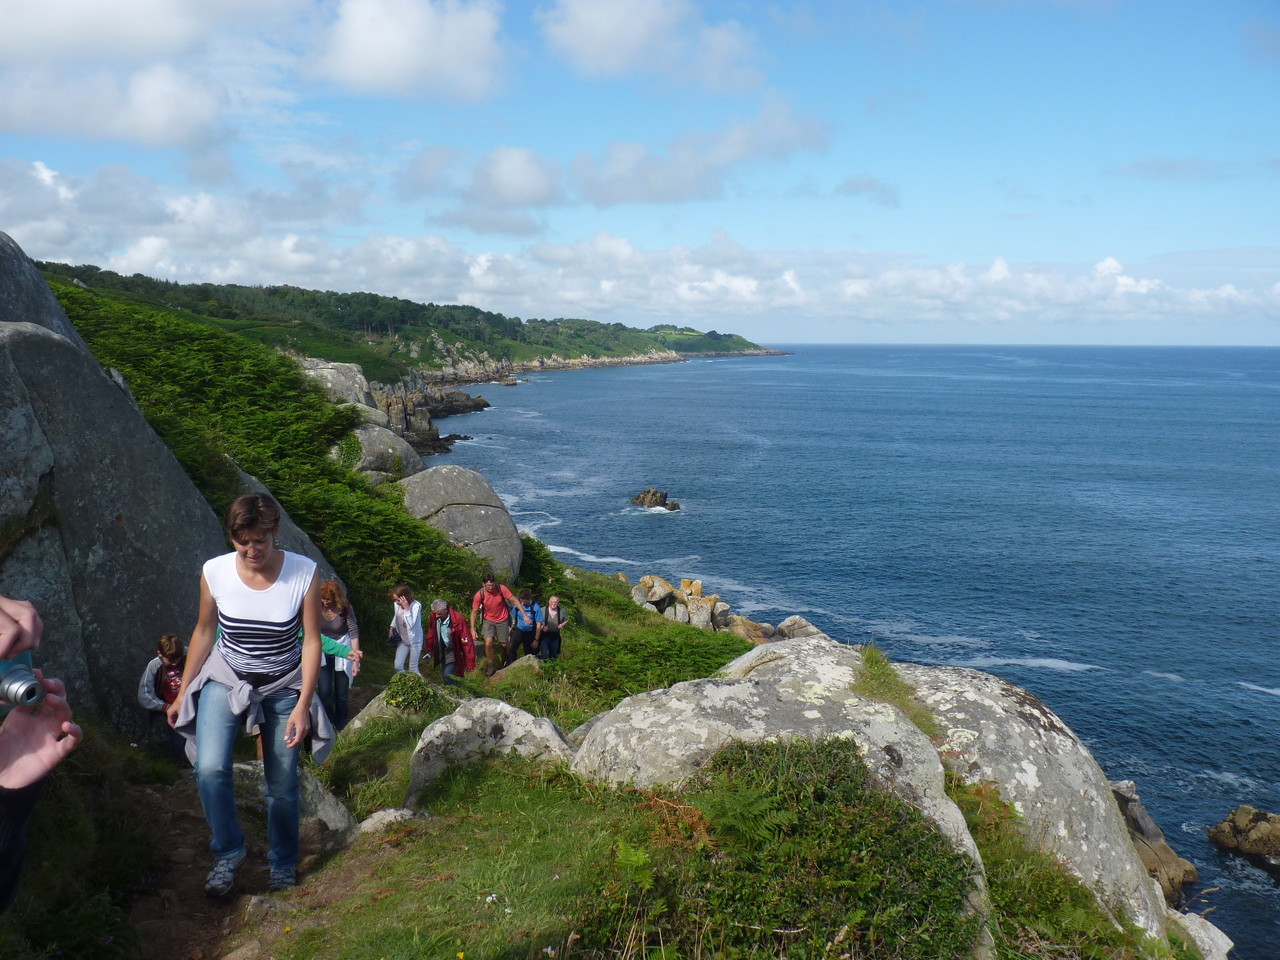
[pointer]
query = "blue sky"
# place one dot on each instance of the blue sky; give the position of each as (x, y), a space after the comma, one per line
(956, 171)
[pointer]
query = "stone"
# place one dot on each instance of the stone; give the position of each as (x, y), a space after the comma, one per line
(343, 382)
(996, 732)
(324, 819)
(1163, 865)
(382, 819)
(650, 498)
(384, 455)
(657, 589)
(793, 627)
(746, 629)
(1250, 832)
(701, 610)
(1212, 943)
(99, 525)
(477, 729)
(461, 504)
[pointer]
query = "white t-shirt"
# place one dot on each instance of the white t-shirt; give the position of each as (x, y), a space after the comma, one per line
(260, 630)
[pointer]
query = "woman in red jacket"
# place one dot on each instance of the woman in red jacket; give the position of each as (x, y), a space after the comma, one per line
(448, 642)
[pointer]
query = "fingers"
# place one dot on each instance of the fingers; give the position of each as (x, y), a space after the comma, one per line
(20, 627)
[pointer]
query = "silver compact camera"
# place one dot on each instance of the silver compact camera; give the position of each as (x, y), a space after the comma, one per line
(19, 686)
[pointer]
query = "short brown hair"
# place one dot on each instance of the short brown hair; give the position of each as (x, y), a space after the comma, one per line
(170, 648)
(402, 590)
(252, 511)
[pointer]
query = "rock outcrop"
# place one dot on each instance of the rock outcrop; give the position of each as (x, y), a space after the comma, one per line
(996, 732)
(654, 499)
(477, 729)
(461, 504)
(687, 604)
(385, 455)
(1163, 865)
(99, 525)
(1251, 832)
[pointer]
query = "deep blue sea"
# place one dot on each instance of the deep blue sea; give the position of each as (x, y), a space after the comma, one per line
(1098, 525)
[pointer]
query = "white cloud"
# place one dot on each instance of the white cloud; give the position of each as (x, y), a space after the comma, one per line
(123, 221)
(666, 38)
(414, 47)
(156, 106)
(515, 177)
(696, 165)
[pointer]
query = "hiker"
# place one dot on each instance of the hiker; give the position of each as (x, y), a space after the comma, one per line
(494, 598)
(449, 643)
(406, 621)
(526, 624)
(258, 599)
(33, 740)
(340, 652)
(160, 683)
(554, 620)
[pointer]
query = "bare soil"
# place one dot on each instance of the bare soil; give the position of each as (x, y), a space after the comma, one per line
(177, 921)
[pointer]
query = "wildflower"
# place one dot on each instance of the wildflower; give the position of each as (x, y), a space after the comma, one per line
(461, 955)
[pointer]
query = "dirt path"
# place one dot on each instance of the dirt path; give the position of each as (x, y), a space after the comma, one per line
(177, 921)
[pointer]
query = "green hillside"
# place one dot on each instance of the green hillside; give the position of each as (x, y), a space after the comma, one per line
(388, 336)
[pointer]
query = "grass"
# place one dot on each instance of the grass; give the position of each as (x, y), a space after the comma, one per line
(877, 680)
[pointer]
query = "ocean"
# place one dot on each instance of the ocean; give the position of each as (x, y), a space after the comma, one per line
(1098, 525)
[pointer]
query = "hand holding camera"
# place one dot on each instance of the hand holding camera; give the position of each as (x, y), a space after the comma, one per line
(37, 733)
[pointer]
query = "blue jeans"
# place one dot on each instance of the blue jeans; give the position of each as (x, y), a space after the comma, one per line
(333, 687)
(216, 731)
(449, 672)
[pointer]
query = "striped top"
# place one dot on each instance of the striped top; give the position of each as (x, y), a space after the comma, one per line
(260, 630)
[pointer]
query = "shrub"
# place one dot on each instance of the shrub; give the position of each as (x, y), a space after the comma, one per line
(785, 850)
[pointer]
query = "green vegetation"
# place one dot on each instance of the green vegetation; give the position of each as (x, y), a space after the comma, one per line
(386, 336)
(785, 849)
(781, 849)
(879, 681)
(90, 855)
(1040, 910)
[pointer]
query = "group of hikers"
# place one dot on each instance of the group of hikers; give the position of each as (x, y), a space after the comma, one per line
(511, 623)
(274, 652)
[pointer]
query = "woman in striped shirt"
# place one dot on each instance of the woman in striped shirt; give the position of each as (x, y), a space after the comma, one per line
(247, 666)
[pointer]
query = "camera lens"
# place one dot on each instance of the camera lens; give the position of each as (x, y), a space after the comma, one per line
(20, 688)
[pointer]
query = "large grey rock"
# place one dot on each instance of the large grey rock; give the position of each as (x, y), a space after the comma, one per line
(1212, 943)
(343, 382)
(461, 504)
(477, 729)
(99, 525)
(797, 688)
(25, 297)
(1001, 733)
(385, 455)
(325, 821)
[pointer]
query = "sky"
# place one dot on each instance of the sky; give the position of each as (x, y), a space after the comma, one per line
(951, 171)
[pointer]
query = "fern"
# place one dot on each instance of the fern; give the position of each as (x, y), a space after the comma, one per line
(751, 816)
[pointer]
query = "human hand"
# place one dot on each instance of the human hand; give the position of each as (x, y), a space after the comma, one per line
(34, 740)
(171, 714)
(299, 725)
(355, 656)
(20, 627)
